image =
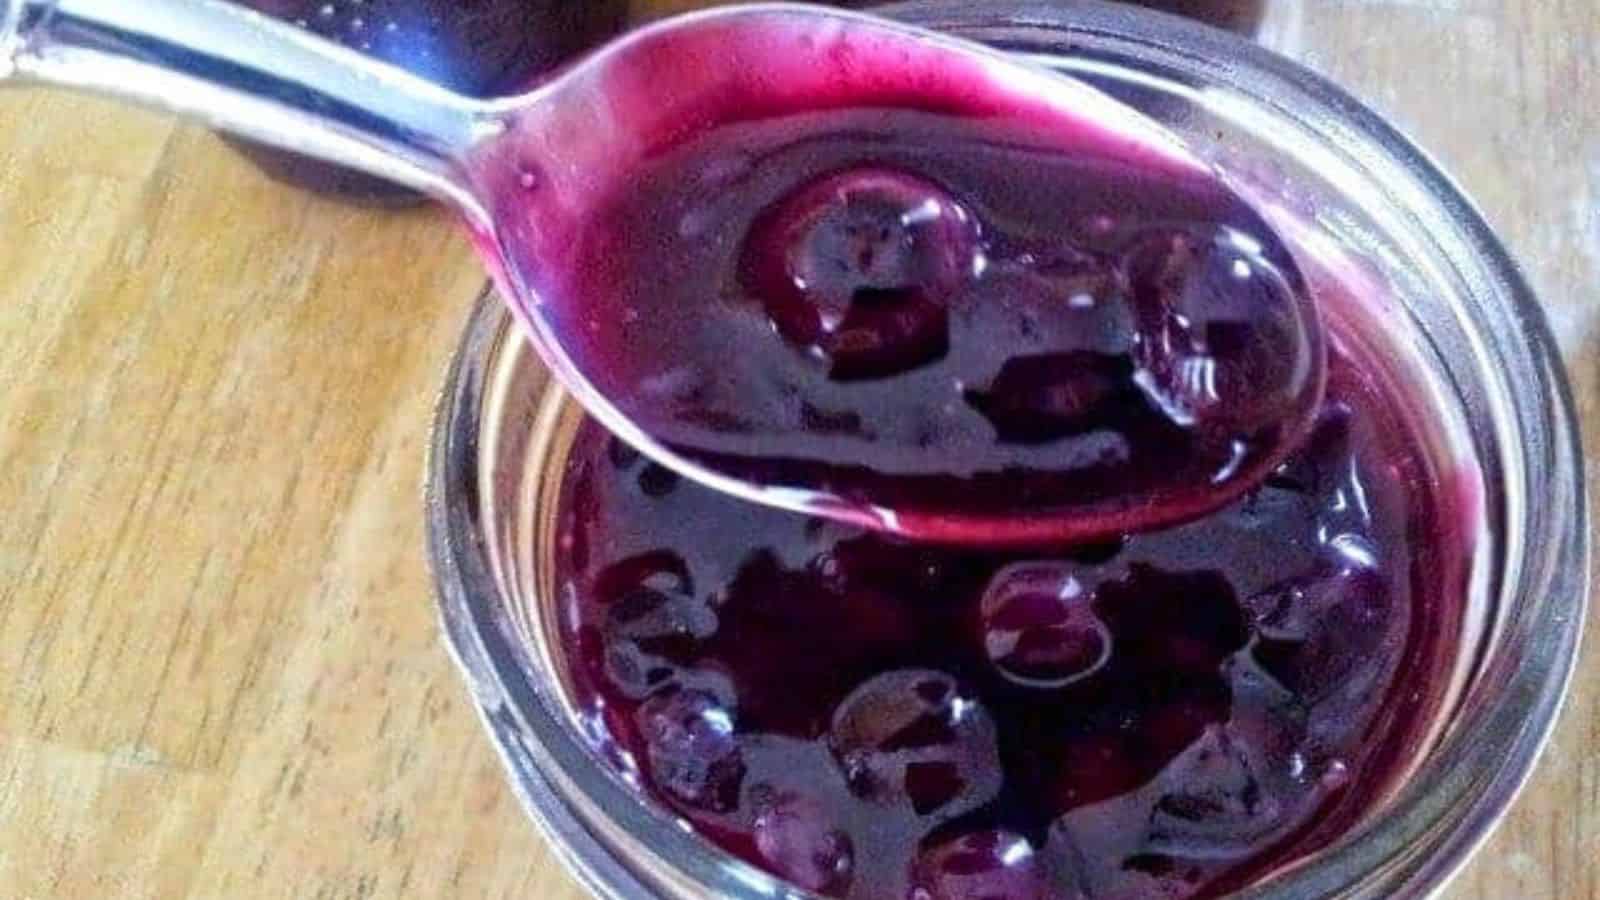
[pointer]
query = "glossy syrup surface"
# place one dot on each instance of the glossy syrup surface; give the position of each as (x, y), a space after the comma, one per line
(948, 317)
(1169, 715)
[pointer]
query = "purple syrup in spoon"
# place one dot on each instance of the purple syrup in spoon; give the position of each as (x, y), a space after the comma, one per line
(1172, 714)
(823, 306)
(942, 295)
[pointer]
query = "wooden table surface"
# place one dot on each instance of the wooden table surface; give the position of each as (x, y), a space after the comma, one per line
(222, 675)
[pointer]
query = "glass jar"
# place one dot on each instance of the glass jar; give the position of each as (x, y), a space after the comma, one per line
(1325, 165)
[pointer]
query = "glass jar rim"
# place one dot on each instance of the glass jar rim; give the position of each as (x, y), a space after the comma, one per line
(1411, 850)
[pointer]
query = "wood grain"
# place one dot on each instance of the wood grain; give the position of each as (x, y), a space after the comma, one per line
(222, 672)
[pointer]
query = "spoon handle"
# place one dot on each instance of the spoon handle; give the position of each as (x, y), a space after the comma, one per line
(243, 72)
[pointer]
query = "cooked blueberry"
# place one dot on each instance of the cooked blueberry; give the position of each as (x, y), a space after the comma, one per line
(857, 268)
(916, 738)
(1228, 342)
(985, 865)
(1039, 625)
(692, 750)
(1317, 628)
(1219, 803)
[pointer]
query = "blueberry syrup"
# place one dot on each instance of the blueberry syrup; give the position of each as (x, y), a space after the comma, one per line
(950, 317)
(1173, 714)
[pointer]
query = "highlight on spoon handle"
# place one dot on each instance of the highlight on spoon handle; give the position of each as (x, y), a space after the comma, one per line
(243, 72)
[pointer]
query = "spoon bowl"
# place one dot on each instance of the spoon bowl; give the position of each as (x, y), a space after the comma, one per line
(571, 164)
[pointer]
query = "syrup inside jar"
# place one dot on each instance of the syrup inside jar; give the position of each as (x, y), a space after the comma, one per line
(977, 321)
